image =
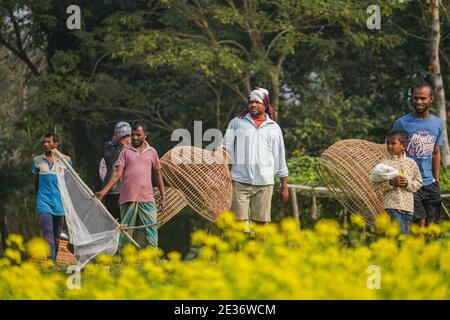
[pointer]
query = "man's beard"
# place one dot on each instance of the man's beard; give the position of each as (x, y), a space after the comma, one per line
(137, 144)
(255, 113)
(421, 109)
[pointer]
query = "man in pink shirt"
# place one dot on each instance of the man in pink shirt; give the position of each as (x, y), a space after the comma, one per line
(136, 165)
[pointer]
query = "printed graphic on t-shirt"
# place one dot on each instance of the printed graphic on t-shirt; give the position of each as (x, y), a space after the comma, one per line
(421, 144)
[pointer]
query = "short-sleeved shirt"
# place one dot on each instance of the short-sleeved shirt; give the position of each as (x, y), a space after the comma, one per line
(137, 173)
(49, 196)
(424, 134)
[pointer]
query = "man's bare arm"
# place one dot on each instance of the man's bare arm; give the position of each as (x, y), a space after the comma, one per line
(36, 184)
(160, 184)
(225, 155)
(117, 174)
(437, 163)
(284, 192)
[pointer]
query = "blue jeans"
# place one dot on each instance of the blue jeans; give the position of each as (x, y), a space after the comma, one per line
(51, 228)
(405, 219)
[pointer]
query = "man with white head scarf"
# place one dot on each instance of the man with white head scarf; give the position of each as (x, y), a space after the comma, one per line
(261, 95)
(255, 143)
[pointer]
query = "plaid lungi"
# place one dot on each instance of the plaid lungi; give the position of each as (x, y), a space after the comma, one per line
(137, 214)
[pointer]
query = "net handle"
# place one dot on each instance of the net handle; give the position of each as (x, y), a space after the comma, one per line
(93, 196)
(145, 226)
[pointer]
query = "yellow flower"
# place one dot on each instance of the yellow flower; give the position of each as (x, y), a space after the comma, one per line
(434, 229)
(290, 225)
(15, 239)
(225, 219)
(328, 230)
(358, 220)
(174, 256)
(386, 225)
(280, 262)
(13, 255)
(104, 259)
(38, 248)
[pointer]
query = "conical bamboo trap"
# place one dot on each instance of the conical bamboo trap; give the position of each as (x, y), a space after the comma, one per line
(175, 202)
(202, 176)
(345, 169)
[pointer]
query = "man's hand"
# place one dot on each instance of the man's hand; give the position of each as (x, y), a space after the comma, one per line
(100, 194)
(284, 193)
(399, 181)
(161, 204)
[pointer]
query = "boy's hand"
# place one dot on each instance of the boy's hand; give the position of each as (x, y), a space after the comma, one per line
(399, 181)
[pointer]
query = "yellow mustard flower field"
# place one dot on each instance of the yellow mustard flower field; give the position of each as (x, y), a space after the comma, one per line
(277, 261)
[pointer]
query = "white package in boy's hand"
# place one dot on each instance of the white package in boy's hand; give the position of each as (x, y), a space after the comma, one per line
(383, 172)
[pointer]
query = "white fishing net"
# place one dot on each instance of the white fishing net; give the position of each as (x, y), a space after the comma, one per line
(91, 228)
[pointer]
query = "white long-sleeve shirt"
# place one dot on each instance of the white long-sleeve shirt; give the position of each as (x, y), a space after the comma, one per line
(258, 153)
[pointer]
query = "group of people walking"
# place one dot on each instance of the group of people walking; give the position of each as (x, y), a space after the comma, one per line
(254, 142)
(129, 163)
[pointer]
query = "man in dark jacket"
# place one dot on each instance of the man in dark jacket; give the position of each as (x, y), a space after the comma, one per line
(110, 154)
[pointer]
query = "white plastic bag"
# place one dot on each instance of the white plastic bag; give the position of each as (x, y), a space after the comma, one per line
(383, 172)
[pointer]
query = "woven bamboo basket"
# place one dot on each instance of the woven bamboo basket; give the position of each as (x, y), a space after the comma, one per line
(345, 169)
(202, 176)
(175, 202)
(65, 257)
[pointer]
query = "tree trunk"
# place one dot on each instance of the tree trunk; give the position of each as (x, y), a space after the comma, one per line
(3, 228)
(275, 94)
(438, 84)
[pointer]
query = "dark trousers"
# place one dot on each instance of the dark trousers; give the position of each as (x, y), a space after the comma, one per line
(427, 203)
(112, 204)
(51, 227)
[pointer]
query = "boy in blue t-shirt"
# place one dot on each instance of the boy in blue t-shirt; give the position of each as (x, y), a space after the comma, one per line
(48, 197)
(425, 140)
